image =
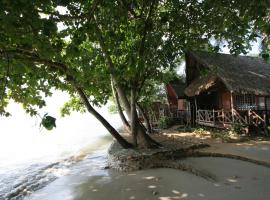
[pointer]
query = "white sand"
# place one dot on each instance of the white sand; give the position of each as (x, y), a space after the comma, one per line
(236, 180)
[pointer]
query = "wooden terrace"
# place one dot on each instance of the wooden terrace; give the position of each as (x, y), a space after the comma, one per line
(224, 119)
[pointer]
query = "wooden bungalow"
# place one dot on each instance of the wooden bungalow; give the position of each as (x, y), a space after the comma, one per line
(177, 101)
(176, 96)
(226, 89)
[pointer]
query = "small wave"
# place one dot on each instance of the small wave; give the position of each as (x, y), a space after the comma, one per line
(36, 177)
(18, 183)
(33, 178)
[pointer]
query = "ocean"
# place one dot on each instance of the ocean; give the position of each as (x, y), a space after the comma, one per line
(32, 157)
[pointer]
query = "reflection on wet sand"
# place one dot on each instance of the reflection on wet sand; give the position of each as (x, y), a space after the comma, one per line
(236, 180)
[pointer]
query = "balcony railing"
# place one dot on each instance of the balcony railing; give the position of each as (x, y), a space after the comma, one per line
(223, 118)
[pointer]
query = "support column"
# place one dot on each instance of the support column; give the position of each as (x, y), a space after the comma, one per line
(196, 108)
(232, 109)
(266, 118)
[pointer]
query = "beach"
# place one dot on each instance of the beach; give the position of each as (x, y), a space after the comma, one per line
(235, 180)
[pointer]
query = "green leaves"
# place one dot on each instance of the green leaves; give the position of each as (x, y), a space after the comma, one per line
(74, 104)
(144, 42)
(266, 56)
(48, 122)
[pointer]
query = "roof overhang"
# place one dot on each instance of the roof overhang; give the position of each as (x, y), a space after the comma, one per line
(200, 85)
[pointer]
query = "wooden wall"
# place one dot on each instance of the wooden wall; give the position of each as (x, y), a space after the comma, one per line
(182, 104)
(224, 100)
(172, 98)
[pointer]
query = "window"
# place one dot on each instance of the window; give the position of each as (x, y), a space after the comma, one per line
(244, 102)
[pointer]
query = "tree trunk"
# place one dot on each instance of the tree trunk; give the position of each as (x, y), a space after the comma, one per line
(105, 123)
(133, 120)
(146, 140)
(146, 118)
(120, 110)
(143, 140)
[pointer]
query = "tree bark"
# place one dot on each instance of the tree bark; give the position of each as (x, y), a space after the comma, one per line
(146, 118)
(145, 139)
(105, 123)
(133, 119)
(120, 110)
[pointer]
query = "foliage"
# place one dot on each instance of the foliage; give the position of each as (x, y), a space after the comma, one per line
(33, 52)
(74, 104)
(113, 109)
(48, 122)
(238, 129)
(225, 135)
(200, 130)
(165, 122)
(135, 41)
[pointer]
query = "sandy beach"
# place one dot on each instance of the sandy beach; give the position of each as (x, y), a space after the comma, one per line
(235, 180)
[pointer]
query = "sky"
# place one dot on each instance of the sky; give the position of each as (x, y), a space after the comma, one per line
(22, 139)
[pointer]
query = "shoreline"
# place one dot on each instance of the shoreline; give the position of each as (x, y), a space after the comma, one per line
(218, 178)
(171, 154)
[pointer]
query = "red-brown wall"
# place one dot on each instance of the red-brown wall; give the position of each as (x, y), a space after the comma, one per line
(172, 98)
(225, 100)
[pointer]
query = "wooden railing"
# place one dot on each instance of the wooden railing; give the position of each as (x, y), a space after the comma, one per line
(254, 118)
(206, 117)
(238, 119)
(216, 117)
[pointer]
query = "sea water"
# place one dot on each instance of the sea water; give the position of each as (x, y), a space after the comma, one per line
(32, 157)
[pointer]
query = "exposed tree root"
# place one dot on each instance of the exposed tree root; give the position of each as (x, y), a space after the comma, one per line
(231, 156)
(173, 159)
(184, 167)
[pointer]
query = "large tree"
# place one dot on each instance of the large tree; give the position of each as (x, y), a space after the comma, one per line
(127, 42)
(37, 58)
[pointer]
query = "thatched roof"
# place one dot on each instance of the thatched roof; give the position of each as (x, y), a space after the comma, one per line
(239, 74)
(179, 87)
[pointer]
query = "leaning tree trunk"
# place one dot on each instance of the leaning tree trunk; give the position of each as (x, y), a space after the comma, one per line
(133, 120)
(120, 110)
(105, 123)
(144, 140)
(146, 118)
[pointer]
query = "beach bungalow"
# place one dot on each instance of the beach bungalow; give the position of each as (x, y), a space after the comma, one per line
(178, 105)
(176, 96)
(225, 89)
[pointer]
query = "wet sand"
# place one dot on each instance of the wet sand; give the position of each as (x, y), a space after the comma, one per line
(235, 180)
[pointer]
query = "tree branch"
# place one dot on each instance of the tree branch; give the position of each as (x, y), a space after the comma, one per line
(129, 8)
(5, 79)
(146, 26)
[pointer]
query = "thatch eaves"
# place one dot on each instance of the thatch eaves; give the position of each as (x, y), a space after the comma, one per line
(240, 74)
(178, 87)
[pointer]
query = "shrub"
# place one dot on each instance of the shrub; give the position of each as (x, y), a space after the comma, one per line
(200, 130)
(165, 122)
(238, 129)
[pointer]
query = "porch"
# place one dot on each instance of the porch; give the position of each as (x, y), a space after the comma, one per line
(226, 118)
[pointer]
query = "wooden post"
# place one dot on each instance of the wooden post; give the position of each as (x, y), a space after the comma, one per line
(232, 107)
(223, 118)
(213, 117)
(248, 116)
(266, 122)
(196, 110)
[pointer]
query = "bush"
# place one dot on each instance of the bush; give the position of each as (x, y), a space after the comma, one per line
(165, 122)
(199, 130)
(238, 129)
